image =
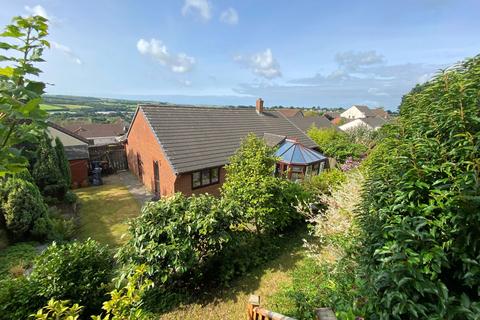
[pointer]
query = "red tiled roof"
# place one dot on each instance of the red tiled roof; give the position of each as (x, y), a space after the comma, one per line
(94, 130)
(289, 112)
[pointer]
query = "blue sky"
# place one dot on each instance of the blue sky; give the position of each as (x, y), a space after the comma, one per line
(300, 53)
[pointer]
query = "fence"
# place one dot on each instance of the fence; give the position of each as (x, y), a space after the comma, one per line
(255, 312)
(114, 154)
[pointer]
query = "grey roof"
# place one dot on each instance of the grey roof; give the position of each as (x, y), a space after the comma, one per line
(374, 122)
(304, 123)
(76, 152)
(366, 111)
(194, 138)
(273, 140)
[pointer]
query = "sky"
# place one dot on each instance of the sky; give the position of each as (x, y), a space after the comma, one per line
(225, 52)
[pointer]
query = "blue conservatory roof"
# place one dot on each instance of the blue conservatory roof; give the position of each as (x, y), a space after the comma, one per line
(292, 152)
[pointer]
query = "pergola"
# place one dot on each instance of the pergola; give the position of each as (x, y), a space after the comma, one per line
(298, 161)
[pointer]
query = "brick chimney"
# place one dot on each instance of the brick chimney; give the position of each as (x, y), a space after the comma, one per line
(259, 106)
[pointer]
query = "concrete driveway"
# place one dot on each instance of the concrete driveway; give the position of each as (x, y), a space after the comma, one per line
(134, 186)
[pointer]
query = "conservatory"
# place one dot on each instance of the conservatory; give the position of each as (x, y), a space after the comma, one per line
(297, 161)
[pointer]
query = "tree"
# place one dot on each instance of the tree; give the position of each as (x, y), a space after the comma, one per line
(250, 185)
(46, 171)
(20, 114)
(421, 207)
(63, 163)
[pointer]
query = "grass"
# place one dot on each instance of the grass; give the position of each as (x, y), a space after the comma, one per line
(104, 212)
(15, 259)
(75, 106)
(231, 302)
(51, 107)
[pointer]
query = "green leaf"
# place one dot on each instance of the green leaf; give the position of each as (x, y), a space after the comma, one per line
(7, 71)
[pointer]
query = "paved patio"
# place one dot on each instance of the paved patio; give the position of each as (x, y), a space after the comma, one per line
(134, 186)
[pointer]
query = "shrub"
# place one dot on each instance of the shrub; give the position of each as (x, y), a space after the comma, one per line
(336, 144)
(77, 271)
(421, 208)
(18, 298)
(22, 207)
(70, 197)
(325, 181)
(174, 237)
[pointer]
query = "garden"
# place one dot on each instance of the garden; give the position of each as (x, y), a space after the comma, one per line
(390, 233)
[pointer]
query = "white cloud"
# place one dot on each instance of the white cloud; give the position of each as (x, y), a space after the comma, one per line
(261, 63)
(186, 83)
(351, 60)
(37, 10)
(200, 7)
(229, 16)
(178, 63)
(66, 51)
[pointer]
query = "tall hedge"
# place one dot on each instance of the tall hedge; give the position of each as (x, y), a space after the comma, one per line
(63, 163)
(46, 171)
(421, 210)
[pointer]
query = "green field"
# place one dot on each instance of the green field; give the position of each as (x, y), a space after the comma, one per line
(75, 106)
(51, 107)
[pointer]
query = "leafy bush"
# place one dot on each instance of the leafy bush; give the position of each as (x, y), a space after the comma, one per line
(18, 298)
(265, 201)
(421, 208)
(77, 271)
(325, 181)
(125, 303)
(23, 208)
(336, 144)
(174, 237)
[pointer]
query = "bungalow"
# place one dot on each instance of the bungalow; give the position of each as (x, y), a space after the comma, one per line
(99, 133)
(358, 112)
(184, 149)
(76, 150)
(371, 123)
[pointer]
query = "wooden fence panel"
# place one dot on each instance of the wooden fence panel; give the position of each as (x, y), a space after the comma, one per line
(114, 154)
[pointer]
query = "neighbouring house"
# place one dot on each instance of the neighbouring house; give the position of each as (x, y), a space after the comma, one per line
(330, 115)
(372, 123)
(298, 118)
(358, 112)
(76, 150)
(184, 149)
(379, 112)
(99, 133)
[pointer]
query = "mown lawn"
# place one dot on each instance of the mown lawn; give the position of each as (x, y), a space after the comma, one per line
(231, 302)
(104, 212)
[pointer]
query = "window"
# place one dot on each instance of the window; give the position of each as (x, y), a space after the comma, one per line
(196, 181)
(205, 177)
(214, 175)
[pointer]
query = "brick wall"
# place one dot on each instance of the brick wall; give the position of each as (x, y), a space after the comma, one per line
(79, 172)
(143, 142)
(184, 184)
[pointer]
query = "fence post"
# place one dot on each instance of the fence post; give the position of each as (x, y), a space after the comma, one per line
(253, 302)
(325, 314)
